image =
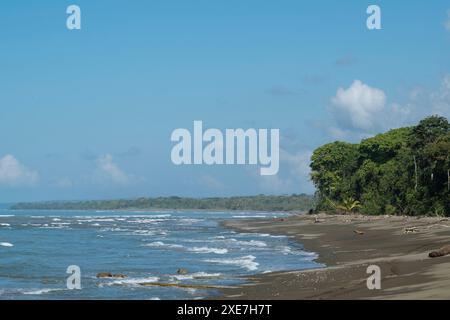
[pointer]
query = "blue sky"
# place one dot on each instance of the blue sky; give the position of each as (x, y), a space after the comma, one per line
(88, 114)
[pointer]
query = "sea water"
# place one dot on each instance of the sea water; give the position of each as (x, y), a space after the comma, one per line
(37, 247)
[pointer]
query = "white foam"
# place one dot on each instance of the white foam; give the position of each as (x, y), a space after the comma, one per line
(155, 244)
(147, 216)
(202, 274)
(151, 221)
(252, 243)
(6, 244)
(5, 224)
(113, 229)
(46, 226)
(40, 291)
(247, 262)
(208, 250)
(188, 220)
(96, 220)
(197, 275)
(6, 215)
(310, 255)
(133, 281)
(263, 235)
(286, 250)
(247, 217)
(158, 244)
(144, 232)
(160, 215)
(120, 216)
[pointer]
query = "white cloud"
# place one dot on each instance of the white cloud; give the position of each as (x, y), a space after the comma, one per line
(13, 173)
(361, 111)
(109, 172)
(421, 103)
(359, 106)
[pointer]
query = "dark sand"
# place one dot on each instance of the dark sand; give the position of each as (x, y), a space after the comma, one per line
(406, 270)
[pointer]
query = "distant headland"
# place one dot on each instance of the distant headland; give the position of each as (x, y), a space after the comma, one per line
(295, 202)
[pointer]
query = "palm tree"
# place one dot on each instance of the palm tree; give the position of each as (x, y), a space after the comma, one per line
(348, 205)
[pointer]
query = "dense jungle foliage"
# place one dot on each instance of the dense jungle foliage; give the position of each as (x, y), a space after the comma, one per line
(402, 171)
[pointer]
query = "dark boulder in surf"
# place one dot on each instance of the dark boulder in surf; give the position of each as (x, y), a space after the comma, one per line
(182, 271)
(110, 275)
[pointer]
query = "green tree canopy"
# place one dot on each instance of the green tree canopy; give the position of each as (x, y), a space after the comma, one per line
(402, 171)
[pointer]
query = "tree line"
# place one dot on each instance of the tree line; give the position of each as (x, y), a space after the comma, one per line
(295, 202)
(403, 171)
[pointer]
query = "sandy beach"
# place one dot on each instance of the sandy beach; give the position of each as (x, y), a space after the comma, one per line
(347, 245)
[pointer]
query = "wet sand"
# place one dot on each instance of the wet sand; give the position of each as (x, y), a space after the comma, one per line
(347, 245)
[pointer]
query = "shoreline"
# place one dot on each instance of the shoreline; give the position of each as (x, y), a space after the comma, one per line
(153, 210)
(347, 245)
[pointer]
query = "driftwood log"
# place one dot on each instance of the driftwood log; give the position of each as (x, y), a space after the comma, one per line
(441, 252)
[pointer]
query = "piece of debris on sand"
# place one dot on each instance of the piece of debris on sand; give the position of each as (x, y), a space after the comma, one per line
(411, 230)
(317, 220)
(441, 252)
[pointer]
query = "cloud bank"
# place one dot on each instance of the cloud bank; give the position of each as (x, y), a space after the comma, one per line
(15, 174)
(108, 172)
(358, 106)
(360, 110)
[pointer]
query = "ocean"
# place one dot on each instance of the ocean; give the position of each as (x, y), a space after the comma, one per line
(37, 247)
